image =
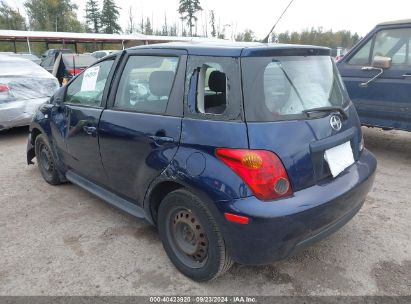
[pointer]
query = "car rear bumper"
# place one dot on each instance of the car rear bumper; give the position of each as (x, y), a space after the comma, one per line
(278, 229)
(19, 113)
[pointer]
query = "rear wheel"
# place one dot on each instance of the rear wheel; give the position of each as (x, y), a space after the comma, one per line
(46, 161)
(191, 237)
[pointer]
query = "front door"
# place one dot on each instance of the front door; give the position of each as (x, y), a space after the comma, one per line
(385, 102)
(139, 134)
(83, 105)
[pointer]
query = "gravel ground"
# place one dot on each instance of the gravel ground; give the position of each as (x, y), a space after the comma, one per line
(64, 241)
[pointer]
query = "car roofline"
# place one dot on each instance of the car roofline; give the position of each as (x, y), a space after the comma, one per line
(395, 22)
(236, 49)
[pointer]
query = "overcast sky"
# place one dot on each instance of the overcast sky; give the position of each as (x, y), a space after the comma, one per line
(259, 15)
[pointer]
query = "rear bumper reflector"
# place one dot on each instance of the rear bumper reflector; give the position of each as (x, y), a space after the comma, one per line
(236, 218)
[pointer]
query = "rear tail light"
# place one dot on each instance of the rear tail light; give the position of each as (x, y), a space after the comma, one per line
(4, 88)
(74, 72)
(261, 170)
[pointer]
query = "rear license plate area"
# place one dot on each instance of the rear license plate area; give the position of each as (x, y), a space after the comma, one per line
(339, 158)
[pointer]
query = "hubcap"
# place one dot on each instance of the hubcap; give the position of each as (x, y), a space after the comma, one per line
(189, 237)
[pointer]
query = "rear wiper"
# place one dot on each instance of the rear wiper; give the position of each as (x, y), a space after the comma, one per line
(328, 109)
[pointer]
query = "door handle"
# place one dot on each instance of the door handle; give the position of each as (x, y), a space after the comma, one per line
(89, 130)
(407, 75)
(161, 139)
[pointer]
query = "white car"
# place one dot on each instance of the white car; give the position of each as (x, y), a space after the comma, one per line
(102, 53)
(24, 86)
(28, 56)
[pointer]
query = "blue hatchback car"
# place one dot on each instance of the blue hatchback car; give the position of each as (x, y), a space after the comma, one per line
(236, 152)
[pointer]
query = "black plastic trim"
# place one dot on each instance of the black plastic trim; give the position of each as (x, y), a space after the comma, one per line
(106, 195)
(332, 141)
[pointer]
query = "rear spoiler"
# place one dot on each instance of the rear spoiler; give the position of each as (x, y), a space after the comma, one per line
(286, 50)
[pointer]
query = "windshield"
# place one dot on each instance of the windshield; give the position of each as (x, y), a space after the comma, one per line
(277, 88)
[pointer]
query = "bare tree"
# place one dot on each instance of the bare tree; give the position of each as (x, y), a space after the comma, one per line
(131, 27)
(212, 23)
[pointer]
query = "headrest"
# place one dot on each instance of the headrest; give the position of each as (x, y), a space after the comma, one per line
(217, 81)
(160, 83)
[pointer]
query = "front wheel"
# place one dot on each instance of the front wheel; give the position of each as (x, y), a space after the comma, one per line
(45, 160)
(191, 237)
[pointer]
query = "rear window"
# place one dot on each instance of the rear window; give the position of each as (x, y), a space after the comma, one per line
(72, 61)
(98, 55)
(278, 88)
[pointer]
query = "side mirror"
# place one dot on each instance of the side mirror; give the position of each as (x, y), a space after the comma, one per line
(381, 62)
(58, 101)
(58, 97)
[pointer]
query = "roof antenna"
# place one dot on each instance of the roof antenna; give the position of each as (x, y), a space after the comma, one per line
(265, 40)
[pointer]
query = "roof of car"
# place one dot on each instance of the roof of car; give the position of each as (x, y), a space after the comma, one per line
(106, 51)
(235, 49)
(8, 58)
(395, 22)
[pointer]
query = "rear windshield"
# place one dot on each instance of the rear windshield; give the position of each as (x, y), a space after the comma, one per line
(72, 61)
(278, 88)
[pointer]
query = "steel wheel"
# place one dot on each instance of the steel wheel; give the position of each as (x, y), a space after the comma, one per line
(188, 237)
(191, 236)
(46, 161)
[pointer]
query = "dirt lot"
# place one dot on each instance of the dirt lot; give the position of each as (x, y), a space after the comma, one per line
(64, 241)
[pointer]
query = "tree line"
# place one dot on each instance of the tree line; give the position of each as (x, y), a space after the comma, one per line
(317, 36)
(11, 19)
(61, 16)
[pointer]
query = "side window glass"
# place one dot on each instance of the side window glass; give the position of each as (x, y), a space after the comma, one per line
(409, 52)
(393, 43)
(146, 84)
(87, 89)
(400, 57)
(362, 57)
(211, 89)
(47, 61)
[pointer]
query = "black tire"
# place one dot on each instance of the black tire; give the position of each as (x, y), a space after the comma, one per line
(191, 237)
(45, 161)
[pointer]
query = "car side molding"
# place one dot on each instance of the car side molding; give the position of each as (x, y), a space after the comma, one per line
(105, 195)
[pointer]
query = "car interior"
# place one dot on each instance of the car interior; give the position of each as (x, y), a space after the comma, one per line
(211, 90)
(151, 96)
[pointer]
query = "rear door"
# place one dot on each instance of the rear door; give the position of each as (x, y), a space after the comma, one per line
(140, 131)
(386, 101)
